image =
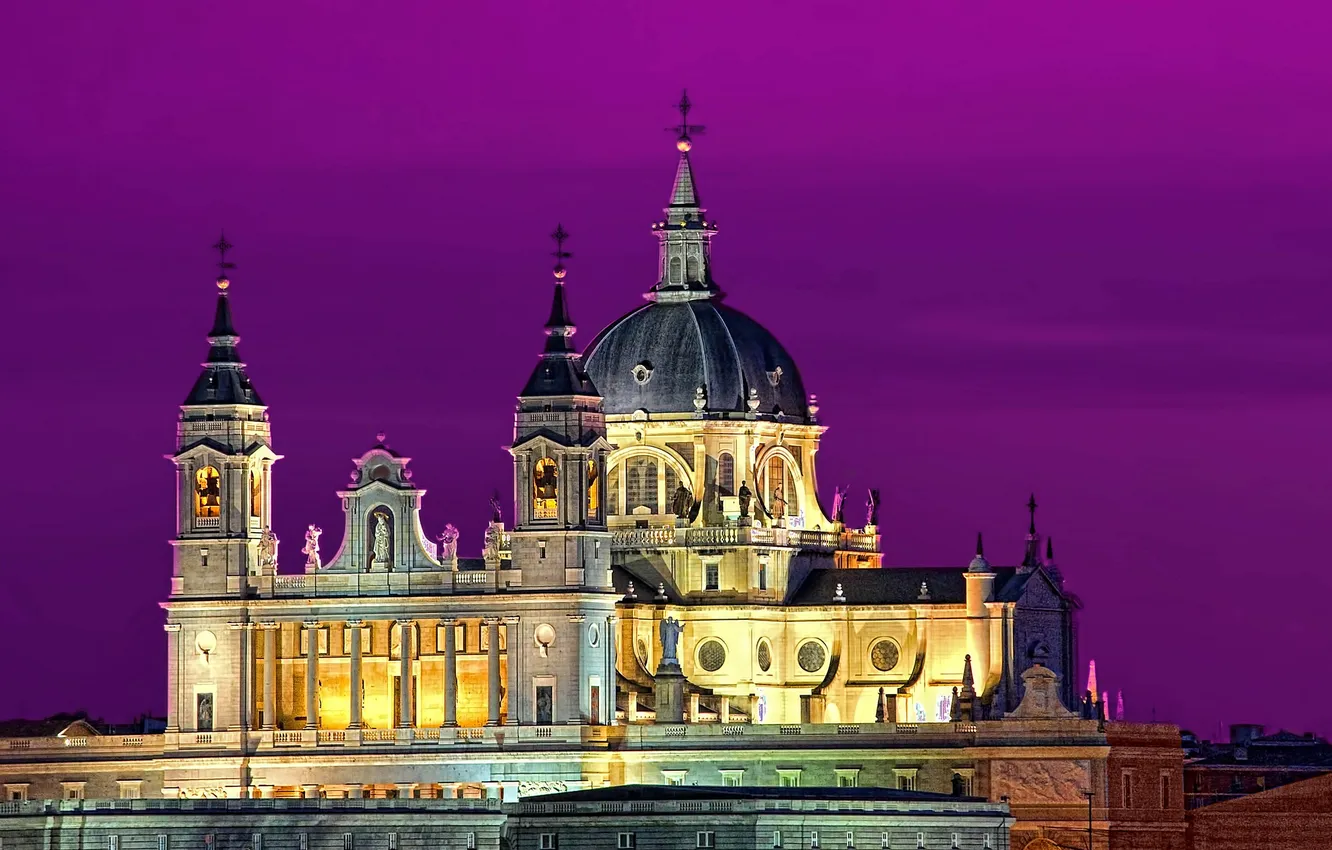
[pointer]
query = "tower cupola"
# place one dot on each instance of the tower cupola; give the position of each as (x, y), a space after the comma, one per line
(685, 234)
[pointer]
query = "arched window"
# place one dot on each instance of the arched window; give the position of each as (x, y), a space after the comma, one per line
(545, 489)
(780, 491)
(694, 266)
(593, 489)
(641, 484)
(207, 492)
(726, 474)
(613, 490)
(675, 269)
(256, 494)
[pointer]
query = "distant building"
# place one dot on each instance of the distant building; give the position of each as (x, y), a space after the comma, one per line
(623, 818)
(1297, 816)
(1250, 763)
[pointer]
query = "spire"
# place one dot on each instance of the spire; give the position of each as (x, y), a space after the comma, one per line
(224, 380)
(686, 235)
(1119, 706)
(1031, 558)
(560, 370)
(1091, 679)
(979, 564)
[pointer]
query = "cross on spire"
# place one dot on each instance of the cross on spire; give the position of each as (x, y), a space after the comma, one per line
(222, 247)
(1031, 508)
(559, 253)
(684, 129)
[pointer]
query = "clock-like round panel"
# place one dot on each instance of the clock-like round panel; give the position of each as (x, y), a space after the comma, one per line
(811, 656)
(764, 656)
(884, 655)
(711, 655)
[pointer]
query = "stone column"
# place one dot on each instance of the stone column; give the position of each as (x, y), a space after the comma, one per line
(513, 658)
(354, 683)
(613, 684)
(311, 675)
(270, 674)
(245, 671)
(450, 671)
(493, 671)
(405, 673)
(173, 676)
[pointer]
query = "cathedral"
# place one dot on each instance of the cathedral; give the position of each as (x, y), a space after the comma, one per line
(674, 601)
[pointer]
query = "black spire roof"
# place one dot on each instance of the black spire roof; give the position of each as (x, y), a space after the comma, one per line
(223, 380)
(560, 371)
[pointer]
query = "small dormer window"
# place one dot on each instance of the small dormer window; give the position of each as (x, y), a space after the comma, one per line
(642, 372)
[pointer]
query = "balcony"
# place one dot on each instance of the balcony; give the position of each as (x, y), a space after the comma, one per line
(663, 537)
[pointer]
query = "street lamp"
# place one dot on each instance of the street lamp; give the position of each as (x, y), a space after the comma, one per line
(1089, 794)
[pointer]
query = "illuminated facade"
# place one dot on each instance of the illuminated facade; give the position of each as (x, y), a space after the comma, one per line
(665, 476)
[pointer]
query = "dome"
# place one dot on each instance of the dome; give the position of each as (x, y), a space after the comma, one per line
(656, 358)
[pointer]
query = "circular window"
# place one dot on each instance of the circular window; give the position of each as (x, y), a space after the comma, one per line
(764, 656)
(593, 636)
(811, 656)
(642, 372)
(884, 655)
(711, 655)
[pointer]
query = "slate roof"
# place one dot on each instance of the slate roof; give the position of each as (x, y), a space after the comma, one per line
(223, 380)
(901, 586)
(688, 344)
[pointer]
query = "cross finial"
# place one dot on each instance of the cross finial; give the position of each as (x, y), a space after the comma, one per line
(559, 253)
(222, 247)
(684, 129)
(1031, 508)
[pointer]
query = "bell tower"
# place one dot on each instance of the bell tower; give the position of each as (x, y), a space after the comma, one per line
(559, 453)
(224, 462)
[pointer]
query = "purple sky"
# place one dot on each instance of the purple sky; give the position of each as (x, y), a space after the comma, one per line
(1076, 248)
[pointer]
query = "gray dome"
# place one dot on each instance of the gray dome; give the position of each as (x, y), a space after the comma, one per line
(656, 357)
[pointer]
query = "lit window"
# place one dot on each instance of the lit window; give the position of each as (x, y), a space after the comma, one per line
(16, 793)
(641, 484)
(393, 841)
(850, 839)
(545, 489)
(541, 547)
(162, 841)
(883, 841)
(593, 489)
(707, 840)
(471, 841)
(788, 778)
(207, 493)
(130, 789)
(726, 474)
(763, 577)
(732, 778)
(674, 777)
(625, 841)
(814, 840)
(548, 841)
(257, 841)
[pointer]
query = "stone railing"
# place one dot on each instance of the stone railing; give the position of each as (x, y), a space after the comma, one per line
(731, 535)
(422, 583)
(264, 806)
(94, 744)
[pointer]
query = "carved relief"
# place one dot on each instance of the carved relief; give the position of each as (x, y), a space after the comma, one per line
(1040, 781)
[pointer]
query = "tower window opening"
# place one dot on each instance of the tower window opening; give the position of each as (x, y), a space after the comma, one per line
(207, 493)
(674, 275)
(545, 489)
(593, 489)
(613, 490)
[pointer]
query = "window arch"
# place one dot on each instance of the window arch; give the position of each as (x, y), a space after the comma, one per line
(675, 269)
(726, 474)
(545, 489)
(207, 492)
(613, 489)
(694, 264)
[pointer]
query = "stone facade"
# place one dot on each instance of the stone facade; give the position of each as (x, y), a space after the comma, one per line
(670, 478)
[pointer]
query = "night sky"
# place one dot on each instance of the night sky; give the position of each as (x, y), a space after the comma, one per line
(1081, 249)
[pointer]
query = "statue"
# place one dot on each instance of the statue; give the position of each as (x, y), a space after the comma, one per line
(495, 515)
(268, 546)
(670, 636)
(873, 508)
(682, 501)
(382, 544)
(448, 544)
(311, 548)
(839, 505)
(745, 497)
(778, 512)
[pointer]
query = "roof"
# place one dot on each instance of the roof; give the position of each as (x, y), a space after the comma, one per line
(223, 380)
(621, 793)
(901, 585)
(656, 357)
